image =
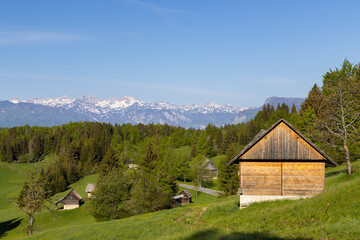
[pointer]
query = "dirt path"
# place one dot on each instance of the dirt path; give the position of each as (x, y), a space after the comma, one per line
(180, 219)
(199, 214)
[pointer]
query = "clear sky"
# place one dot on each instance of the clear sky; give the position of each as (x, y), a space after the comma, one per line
(238, 52)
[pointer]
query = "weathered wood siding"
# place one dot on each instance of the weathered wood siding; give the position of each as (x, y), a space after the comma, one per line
(282, 143)
(185, 201)
(282, 178)
(260, 178)
(303, 178)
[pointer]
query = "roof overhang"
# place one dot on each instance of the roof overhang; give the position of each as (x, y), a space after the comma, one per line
(263, 133)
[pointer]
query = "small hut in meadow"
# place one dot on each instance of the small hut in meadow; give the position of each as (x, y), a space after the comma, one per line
(71, 200)
(211, 168)
(184, 197)
(90, 188)
(281, 162)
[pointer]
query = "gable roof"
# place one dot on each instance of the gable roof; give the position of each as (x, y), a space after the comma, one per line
(183, 194)
(73, 192)
(208, 164)
(186, 192)
(263, 133)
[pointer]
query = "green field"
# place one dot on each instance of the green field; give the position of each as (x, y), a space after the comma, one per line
(207, 218)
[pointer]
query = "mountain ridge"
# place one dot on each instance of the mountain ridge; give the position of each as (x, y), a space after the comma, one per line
(57, 111)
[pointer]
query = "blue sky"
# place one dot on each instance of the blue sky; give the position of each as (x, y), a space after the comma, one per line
(237, 52)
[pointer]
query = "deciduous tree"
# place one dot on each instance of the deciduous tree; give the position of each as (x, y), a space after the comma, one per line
(32, 198)
(341, 88)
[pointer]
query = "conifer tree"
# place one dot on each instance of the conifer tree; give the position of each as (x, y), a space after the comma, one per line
(219, 142)
(154, 186)
(228, 177)
(231, 136)
(293, 109)
(193, 152)
(315, 100)
(112, 195)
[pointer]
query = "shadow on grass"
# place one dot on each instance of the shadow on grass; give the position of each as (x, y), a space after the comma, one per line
(330, 174)
(8, 225)
(211, 234)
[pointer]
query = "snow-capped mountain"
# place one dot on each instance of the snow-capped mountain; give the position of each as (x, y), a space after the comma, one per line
(56, 111)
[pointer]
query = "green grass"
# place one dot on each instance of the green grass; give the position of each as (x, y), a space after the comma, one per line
(79, 187)
(214, 218)
(183, 151)
(12, 177)
(217, 159)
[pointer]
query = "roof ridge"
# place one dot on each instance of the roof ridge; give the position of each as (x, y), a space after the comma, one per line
(71, 191)
(261, 134)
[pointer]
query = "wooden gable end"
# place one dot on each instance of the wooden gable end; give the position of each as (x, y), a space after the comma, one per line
(282, 143)
(71, 196)
(186, 193)
(209, 165)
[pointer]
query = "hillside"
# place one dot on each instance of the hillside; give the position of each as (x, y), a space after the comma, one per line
(207, 218)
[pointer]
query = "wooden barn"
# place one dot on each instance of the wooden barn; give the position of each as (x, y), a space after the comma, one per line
(281, 162)
(71, 200)
(211, 168)
(184, 197)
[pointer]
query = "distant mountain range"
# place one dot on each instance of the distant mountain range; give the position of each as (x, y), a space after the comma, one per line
(57, 111)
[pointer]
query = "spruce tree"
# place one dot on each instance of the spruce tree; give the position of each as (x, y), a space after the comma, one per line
(219, 142)
(228, 177)
(293, 109)
(154, 187)
(112, 195)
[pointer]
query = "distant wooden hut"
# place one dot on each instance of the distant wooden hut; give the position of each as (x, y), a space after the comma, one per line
(211, 168)
(184, 197)
(281, 162)
(90, 188)
(71, 200)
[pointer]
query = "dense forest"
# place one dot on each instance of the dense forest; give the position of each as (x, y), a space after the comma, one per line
(329, 117)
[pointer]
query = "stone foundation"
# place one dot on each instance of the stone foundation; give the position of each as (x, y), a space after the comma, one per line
(246, 200)
(69, 207)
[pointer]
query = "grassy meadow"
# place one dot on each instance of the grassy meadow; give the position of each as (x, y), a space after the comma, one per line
(334, 214)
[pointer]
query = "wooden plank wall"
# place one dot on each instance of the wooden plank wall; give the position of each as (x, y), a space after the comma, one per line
(282, 143)
(303, 179)
(282, 178)
(260, 178)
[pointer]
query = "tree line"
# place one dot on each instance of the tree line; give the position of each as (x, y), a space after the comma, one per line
(329, 117)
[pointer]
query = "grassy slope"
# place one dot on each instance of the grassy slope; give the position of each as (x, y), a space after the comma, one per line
(183, 151)
(302, 219)
(13, 222)
(217, 159)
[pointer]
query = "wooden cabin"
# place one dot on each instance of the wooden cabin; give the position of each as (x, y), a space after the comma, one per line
(90, 188)
(71, 200)
(184, 197)
(211, 168)
(281, 162)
